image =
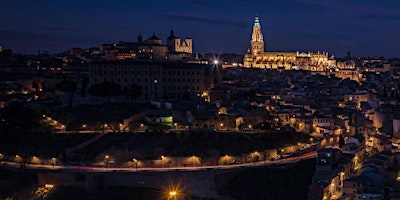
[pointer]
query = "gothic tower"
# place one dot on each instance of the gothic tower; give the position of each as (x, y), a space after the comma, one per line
(257, 42)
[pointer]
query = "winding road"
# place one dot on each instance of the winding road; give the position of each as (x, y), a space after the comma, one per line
(91, 168)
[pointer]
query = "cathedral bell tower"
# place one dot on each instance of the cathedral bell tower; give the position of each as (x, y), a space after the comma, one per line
(257, 42)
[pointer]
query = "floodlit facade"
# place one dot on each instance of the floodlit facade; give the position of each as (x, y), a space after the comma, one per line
(256, 57)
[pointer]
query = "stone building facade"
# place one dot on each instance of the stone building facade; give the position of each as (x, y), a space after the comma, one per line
(158, 80)
(256, 57)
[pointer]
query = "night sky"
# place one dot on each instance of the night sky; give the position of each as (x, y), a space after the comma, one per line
(364, 27)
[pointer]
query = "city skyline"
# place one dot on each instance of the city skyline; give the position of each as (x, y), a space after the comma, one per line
(365, 28)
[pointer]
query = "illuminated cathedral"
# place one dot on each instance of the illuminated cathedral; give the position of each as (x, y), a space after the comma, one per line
(256, 57)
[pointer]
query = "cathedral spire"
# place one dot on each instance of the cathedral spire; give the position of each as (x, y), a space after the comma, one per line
(257, 21)
(257, 41)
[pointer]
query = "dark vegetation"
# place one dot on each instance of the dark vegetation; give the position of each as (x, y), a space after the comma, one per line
(107, 89)
(154, 144)
(42, 145)
(23, 132)
(280, 183)
(16, 118)
(289, 182)
(16, 185)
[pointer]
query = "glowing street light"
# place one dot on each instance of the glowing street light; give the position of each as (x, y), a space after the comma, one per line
(35, 160)
(107, 158)
(18, 158)
(172, 194)
(162, 160)
(193, 160)
(53, 161)
(135, 161)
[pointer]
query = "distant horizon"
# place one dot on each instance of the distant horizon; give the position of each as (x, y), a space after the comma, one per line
(207, 52)
(366, 28)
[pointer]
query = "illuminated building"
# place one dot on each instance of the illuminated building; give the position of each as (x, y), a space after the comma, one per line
(175, 45)
(347, 70)
(256, 57)
(166, 80)
(150, 49)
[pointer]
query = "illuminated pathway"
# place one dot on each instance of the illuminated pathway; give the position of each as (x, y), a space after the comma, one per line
(91, 168)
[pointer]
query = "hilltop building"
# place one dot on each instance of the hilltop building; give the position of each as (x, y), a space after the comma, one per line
(157, 80)
(149, 49)
(256, 57)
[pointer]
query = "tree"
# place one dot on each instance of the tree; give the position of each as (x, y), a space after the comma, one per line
(134, 91)
(251, 95)
(105, 89)
(66, 86)
(17, 118)
(341, 141)
(84, 86)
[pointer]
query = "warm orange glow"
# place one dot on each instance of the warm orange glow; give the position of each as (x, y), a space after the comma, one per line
(172, 193)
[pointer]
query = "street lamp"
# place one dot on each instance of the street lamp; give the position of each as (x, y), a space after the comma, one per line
(172, 195)
(18, 158)
(35, 160)
(193, 159)
(107, 158)
(135, 162)
(53, 161)
(255, 156)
